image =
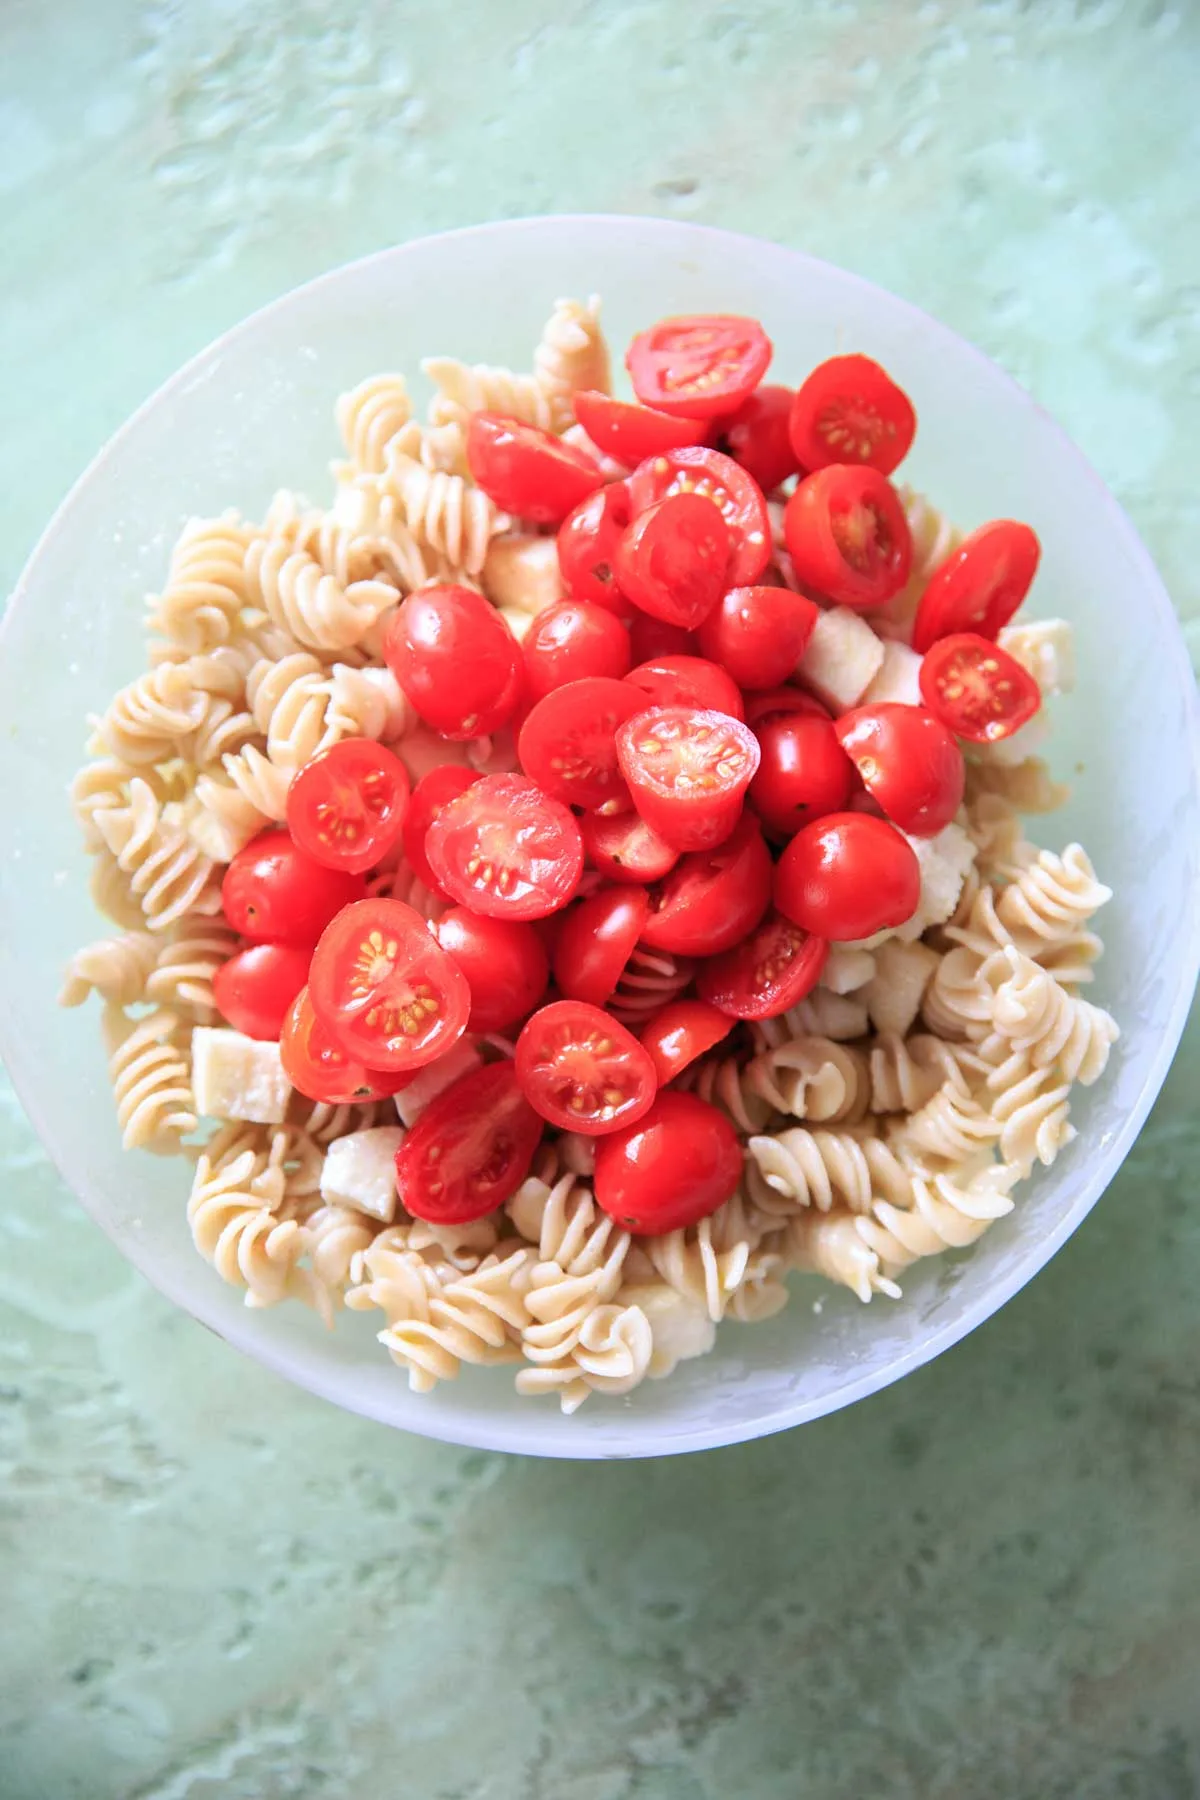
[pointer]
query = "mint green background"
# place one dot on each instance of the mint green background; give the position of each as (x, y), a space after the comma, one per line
(981, 1584)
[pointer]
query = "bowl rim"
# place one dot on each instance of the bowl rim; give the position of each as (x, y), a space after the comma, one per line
(476, 1432)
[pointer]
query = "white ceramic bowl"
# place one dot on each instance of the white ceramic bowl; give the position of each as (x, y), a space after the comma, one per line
(254, 412)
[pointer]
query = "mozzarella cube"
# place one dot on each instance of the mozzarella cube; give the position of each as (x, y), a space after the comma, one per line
(680, 1327)
(1046, 647)
(434, 1079)
(944, 861)
(846, 969)
(360, 1171)
(898, 677)
(1025, 742)
(841, 658)
(237, 1077)
(894, 993)
(522, 571)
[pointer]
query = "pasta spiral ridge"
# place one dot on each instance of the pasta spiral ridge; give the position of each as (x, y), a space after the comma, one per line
(369, 417)
(116, 968)
(444, 514)
(149, 1067)
(465, 388)
(816, 1168)
(611, 1355)
(473, 1318)
(1035, 1014)
(571, 355)
(233, 1214)
(830, 1244)
(649, 980)
(206, 588)
(168, 874)
(313, 606)
(182, 977)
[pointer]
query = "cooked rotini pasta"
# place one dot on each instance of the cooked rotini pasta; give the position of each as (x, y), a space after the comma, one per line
(117, 969)
(201, 605)
(314, 607)
(369, 417)
(148, 1066)
(168, 874)
(571, 355)
(465, 388)
(445, 514)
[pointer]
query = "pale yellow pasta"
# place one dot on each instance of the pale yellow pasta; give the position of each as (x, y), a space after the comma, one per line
(168, 874)
(233, 1212)
(571, 355)
(316, 608)
(649, 979)
(830, 1244)
(444, 514)
(149, 1066)
(334, 1236)
(369, 417)
(610, 1356)
(206, 590)
(184, 967)
(116, 968)
(473, 1318)
(464, 388)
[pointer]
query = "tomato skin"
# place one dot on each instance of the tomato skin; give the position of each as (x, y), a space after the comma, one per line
(587, 545)
(527, 471)
(629, 433)
(581, 1070)
(595, 941)
(978, 690)
(677, 1165)
(688, 771)
(681, 1032)
(979, 586)
(650, 639)
(804, 772)
(671, 561)
(737, 495)
(456, 660)
(568, 742)
(346, 806)
(847, 876)
(908, 761)
(712, 899)
(757, 436)
(847, 535)
(255, 989)
(849, 410)
(317, 1066)
(385, 989)
(431, 794)
(699, 364)
(623, 847)
(506, 849)
(758, 634)
(765, 975)
(782, 700)
(504, 962)
(569, 641)
(470, 1150)
(272, 892)
(687, 681)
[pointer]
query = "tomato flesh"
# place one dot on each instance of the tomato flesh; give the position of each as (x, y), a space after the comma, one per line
(385, 989)
(717, 478)
(687, 681)
(346, 806)
(848, 876)
(595, 941)
(433, 792)
(848, 537)
(255, 989)
(470, 1150)
(688, 771)
(527, 471)
(758, 437)
(456, 659)
(908, 761)
(804, 772)
(698, 365)
(980, 585)
(674, 1167)
(568, 742)
(587, 546)
(504, 962)
(712, 898)
(765, 975)
(682, 1031)
(849, 410)
(623, 847)
(758, 634)
(628, 433)
(977, 689)
(318, 1067)
(506, 849)
(582, 1071)
(273, 892)
(571, 641)
(671, 562)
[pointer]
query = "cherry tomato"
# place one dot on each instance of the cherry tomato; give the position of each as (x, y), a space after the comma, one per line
(757, 436)
(803, 774)
(317, 1066)
(672, 560)
(503, 960)
(720, 479)
(595, 941)
(568, 742)
(456, 659)
(624, 848)
(847, 535)
(681, 1032)
(847, 876)
(569, 641)
(346, 806)
(581, 1070)
(385, 988)
(587, 544)
(851, 411)
(255, 988)
(273, 892)
(977, 689)
(698, 365)
(908, 761)
(630, 433)
(527, 471)
(651, 638)
(672, 1168)
(431, 794)
(712, 898)
(687, 771)
(506, 849)
(781, 700)
(687, 681)
(765, 975)
(470, 1150)
(758, 634)
(980, 585)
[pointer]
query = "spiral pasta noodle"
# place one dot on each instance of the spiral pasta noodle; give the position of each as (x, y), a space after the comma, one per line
(571, 355)
(610, 1356)
(1034, 1013)
(116, 968)
(182, 975)
(648, 981)
(816, 1168)
(206, 590)
(233, 1214)
(470, 1319)
(168, 874)
(444, 514)
(314, 607)
(369, 417)
(465, 388)
(831, 1244)
(149, 1067)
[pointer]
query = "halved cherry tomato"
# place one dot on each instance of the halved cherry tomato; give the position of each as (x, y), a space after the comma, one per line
(847, 876)
(847, 535)
(527, 471)
(629, 432)
(317, 1066)
(803, 774)
(758, 633)
(456, 659)
(623, 847)
(431, 794)
(757, 436)
(720, 479)
(782, 700)
(581, 1070)
(470, 1150)
(681, 1032)
(672, 1168)
(980, 585)
(651, 638)
(595, 941)
(385, 988)
(255, 989)
(568, 742)
(688, 771)
(687, 681)
(977, 689)
(712, 898)
(273, 892)
(908, 761)
(587, 544)
(672, 560)
(851, 411)
(765, 975)
(698, 365)
(503, 960)
(346, 806)
(506, 849)
(569, 641)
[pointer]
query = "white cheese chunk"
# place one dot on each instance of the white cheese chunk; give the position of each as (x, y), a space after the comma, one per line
(894, 993)
(897, 678)
(237, 1077)
(522, 571)
(435, 1078)
(846, 969)
(944, 862)
(360, 1171)
(841, 658)
(1046, 647)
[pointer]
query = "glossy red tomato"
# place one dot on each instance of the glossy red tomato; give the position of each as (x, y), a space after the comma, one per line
(568, 742)
(782, 700)
(650, 639)
(720, 479)
(698, 365)
(687, 681)
(977, 689)
(456, 659)
(851, 411)
(527, 471)
(587, 545)
(384, 987)
(758, 634)
(979, 586)
(672, 1168)
(569, 641)
(255, 989)
(624, 848)
(712, 898)
(848, 537)
(757, 436)
(503, 960)
(681, 1032)
(595, 941)
(765, 975)
(431, 794)
(630, 433)
(688, 771)
(317, 1066)
(908, 762)
(274, 893)
(847, 876)
(346, 806)
(506, 849)
(583, 1071)
(803, 774)
(672, 560)
(470, 1150)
